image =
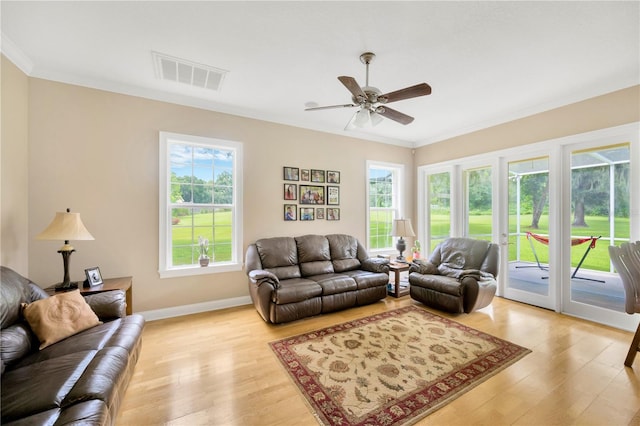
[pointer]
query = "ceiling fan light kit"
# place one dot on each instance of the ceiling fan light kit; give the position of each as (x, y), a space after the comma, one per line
(370, 100)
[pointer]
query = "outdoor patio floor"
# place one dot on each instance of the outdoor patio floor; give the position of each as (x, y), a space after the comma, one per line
(527, 276)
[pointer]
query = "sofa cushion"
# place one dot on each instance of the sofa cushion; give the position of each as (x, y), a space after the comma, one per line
(335, 283)
(366, 279)
(295, 290)
(314, 255)
(437, 283)
(13, 291)
(30, 396)
(59, 317)
(16, 341)
(344, 252)
(460, 253)
(279, 256)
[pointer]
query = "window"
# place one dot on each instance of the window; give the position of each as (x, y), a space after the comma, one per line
(438, 208)
(383, 183)
(200, 202)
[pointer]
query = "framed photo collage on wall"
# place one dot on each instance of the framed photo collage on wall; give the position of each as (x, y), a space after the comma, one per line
(314, 188)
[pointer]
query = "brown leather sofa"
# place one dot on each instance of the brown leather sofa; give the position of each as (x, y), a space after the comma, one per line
(460, 275)
(79, 380)
(292, 278)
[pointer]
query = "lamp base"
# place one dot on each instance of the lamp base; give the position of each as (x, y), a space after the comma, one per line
(401, 246)
(67, 286)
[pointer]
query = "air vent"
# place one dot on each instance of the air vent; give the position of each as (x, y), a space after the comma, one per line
(187, 72)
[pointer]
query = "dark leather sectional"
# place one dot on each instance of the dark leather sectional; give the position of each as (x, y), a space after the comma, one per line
(79, 380)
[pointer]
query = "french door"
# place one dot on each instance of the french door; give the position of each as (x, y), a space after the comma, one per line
(554, 208)
(527, 230)
(598, 177)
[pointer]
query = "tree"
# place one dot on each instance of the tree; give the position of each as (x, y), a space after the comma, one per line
(534, 192)
(589, 188)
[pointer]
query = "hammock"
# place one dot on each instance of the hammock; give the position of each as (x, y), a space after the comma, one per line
(574, 242)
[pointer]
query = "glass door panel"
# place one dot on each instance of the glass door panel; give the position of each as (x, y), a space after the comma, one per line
(528, 232)
(600, 204)
(439, 208)
(478, 203)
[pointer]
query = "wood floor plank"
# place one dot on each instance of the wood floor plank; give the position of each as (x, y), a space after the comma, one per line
(216, 368)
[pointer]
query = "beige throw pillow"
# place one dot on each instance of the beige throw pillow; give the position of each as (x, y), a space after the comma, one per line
(59, 316)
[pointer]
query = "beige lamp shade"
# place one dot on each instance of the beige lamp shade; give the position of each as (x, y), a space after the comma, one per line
(402, 228)
(65, 226)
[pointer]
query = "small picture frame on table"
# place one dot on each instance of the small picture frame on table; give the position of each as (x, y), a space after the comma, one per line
(94, 277)
(291, 173)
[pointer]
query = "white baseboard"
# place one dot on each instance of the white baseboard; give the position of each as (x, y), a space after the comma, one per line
(196, 308)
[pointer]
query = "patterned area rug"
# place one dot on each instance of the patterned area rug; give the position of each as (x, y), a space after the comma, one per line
(393, 368)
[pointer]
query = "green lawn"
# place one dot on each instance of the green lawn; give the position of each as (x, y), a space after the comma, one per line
(598, 258)
(184, 236)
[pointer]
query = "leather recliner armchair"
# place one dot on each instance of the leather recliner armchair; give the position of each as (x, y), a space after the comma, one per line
(460, 275)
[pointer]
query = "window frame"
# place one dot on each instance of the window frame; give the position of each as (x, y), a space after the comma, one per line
(398, 171)
(166, 270)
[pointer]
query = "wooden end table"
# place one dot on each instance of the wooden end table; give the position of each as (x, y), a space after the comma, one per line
(108, 284)
(397, 268)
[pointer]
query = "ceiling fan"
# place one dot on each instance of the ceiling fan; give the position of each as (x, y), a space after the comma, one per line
(372, 101)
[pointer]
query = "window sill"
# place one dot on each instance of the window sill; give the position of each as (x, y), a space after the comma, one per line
(191, 270)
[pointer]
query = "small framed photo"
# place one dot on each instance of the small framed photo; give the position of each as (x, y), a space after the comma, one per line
(333, 213)
(320, 213)
(93, 276)
(291, 173)
(317, 176)
(333, 176)
(306, 213)
(290, 211)
(333, 195)
(290, 191)
(304, 175)
(311, 194)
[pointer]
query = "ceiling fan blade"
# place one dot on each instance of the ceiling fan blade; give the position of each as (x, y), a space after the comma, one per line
(330, 107)
(394, 115)
(421, 89)
(352, 85)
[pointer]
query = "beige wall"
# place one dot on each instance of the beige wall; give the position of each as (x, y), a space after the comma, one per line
(14, 212)
(613, 109)
(96, 152)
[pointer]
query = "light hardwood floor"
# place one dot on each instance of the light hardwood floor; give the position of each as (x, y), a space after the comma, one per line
(216, 369)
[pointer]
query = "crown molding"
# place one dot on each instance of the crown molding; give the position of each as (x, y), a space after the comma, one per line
(9, 49)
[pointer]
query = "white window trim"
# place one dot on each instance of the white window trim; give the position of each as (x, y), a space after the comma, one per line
(164, 248)
(397, 185)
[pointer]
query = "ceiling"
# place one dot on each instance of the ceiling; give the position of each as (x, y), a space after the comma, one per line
(487, 62)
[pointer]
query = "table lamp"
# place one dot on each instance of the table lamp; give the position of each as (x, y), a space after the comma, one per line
(402, 228)
(65, 226)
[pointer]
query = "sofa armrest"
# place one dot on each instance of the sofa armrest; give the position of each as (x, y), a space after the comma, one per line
(376, 264)
(424, 267)
(260, 276)
(108, 305)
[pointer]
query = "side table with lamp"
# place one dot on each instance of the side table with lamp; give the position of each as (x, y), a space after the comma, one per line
(400, 228)
(68, 226)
